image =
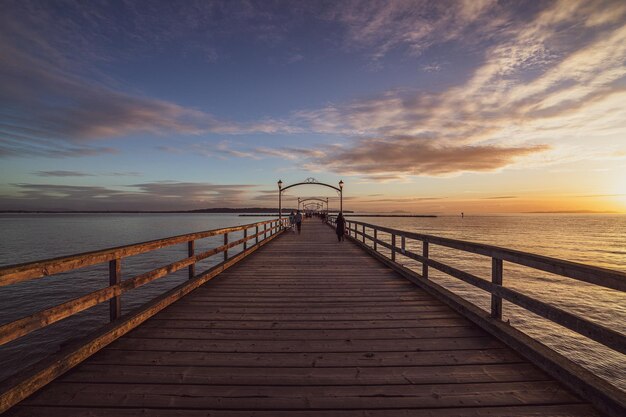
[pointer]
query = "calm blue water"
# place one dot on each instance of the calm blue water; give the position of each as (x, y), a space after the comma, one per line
(594, 239)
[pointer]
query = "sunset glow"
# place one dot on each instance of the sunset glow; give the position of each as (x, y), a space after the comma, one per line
(424, 107)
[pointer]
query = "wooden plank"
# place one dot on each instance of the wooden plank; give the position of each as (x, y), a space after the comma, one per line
(305, 334)
(560, 410)
(346, 345)
(269, 376)
(316, 397)
(157, 322)
(188, 314)
(400, 308)
(308, 360)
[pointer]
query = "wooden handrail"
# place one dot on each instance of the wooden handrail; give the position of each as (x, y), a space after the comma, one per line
(599, 276)
(592, 274)
(22, 272)
(32, 270)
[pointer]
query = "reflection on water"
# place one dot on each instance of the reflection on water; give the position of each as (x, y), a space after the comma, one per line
(593, 239)
(598, 240)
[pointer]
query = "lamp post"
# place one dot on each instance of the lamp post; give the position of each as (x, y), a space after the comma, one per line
(280, 199)
(340, 196)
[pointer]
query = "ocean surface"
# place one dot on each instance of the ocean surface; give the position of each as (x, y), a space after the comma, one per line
(592, 239)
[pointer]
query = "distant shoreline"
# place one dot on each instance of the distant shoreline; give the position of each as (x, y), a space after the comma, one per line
(221, 210)
(391, 215)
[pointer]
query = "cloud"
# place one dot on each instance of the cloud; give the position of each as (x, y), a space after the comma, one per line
(164, 195)
(382, 26)
(504, 197)
(402, 200)
(62, 174)
(412, 156)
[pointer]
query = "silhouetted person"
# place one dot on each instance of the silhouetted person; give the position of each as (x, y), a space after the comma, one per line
(292, 221)
(299, 221)
(340, 227)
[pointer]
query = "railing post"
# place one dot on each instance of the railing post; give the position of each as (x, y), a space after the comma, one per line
(115, 277)
(245, 242)
(226, 249)
(425, 255)
(264, 231)
(256, 233)
(403, 244)
(393, 247)
(190, 252)
(496, 280)
(375, 238)
(363, 233)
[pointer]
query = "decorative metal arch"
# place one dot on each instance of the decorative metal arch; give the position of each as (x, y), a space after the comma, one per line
(312, 181)
(313, 199)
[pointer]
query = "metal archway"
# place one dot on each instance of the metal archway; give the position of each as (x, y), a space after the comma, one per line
(308, 181)
(314, 199)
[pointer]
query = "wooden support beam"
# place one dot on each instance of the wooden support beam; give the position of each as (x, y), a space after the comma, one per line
(425, 264)
(190, 253)
(115, 278)
(496, 279)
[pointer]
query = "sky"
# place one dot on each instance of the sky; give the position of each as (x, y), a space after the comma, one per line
(426, 107)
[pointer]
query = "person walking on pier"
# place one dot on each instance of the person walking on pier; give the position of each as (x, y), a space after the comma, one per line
(341, 227)
(299, 221)
(292, 221)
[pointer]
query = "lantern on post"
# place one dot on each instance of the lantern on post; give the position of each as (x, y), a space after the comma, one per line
(341, 196)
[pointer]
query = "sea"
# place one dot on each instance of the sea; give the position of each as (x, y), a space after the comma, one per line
(594, 239)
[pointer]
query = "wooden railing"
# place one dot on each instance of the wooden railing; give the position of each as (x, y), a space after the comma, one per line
(368, 236)
(26, 382)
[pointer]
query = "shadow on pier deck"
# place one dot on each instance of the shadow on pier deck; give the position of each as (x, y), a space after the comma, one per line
(306, 327)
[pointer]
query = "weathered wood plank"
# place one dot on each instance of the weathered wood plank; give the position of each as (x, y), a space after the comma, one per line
(316, 397)
(402, 375)
(309, 360)
(309, 325)
(560, 410)
(346, 345)
(305, 334)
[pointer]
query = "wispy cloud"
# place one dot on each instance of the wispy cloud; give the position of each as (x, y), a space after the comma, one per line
(382, 26)
(164, 195)
(62, 174)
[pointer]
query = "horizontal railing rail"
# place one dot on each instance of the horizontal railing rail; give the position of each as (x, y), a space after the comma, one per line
(18, 387)
(368, 235)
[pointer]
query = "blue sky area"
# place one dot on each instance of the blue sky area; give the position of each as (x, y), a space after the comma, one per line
(420, 106)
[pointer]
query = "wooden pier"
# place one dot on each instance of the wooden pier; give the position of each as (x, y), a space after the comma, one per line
(306, 326)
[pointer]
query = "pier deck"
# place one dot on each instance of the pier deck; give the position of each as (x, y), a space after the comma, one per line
(306, 327)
